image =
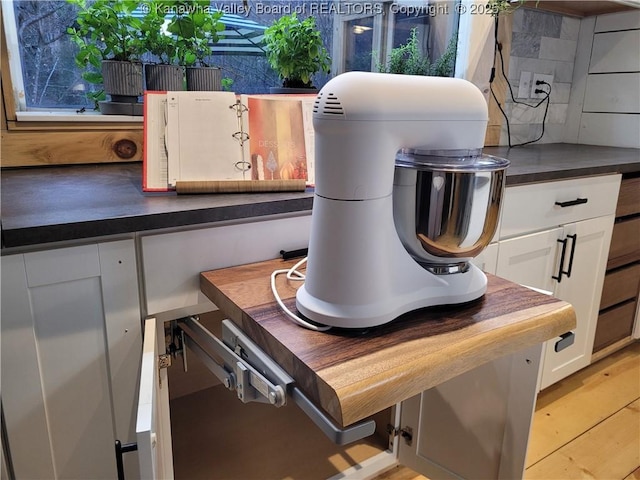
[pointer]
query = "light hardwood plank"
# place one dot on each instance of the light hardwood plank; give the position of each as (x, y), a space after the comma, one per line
(400, 473)
(578, 403)
(635, 475)
(27, 148)
(610, 450)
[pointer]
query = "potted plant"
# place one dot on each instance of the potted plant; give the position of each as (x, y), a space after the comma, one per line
(408, 59)
(196, 27)
(109, 47)
(164, 74)
(295, 51)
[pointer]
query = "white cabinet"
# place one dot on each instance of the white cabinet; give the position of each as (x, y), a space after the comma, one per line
(555, 236)
(71, 342)
(488, 259)
(172, 262)
(475, 425)
(485, 412)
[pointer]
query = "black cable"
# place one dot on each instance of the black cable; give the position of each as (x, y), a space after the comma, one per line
(497, 49)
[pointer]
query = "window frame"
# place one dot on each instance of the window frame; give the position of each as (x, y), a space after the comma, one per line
(382, 35)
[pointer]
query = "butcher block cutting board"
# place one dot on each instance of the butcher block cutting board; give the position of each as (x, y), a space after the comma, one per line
(355, 374)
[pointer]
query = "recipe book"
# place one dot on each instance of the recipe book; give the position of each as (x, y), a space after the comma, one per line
(227, 142)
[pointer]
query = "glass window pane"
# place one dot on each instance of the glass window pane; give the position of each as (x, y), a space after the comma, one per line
(358, 46)
(435, 26)
(51, 78)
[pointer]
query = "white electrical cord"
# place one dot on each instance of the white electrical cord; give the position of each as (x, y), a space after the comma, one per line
(294, 274)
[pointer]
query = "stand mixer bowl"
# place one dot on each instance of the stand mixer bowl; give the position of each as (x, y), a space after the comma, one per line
(446, 205)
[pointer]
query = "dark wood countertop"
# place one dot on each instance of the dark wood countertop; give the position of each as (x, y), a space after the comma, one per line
(52, 204)
(353, 375)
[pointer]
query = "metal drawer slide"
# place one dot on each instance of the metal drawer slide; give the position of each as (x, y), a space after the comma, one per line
(242, 366)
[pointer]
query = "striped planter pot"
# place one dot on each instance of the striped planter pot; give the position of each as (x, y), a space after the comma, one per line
(122, 80)
(164, 78)
(204, 78)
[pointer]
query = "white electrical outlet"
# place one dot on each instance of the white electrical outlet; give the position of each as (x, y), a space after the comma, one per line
(525, 85)
(545, 88)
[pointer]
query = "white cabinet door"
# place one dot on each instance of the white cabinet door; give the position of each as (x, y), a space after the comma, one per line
(475, 425)
(70, 354)
(531, 259)
(582, 290)
(153, 425)
(534, 260)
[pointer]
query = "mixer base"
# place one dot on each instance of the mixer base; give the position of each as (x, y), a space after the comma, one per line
(434, 290)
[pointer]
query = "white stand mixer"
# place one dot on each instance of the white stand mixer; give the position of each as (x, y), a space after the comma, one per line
(359, 272)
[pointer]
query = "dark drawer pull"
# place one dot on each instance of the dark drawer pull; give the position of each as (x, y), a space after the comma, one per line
(571, 203)
(566, 340)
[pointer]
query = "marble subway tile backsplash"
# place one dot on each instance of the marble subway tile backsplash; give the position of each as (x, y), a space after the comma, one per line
(557, 49)
(545, 43)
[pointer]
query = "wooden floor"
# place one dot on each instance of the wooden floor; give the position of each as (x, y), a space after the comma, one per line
(586, 426)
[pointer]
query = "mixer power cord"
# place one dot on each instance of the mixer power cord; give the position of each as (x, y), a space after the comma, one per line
(296, 275)
(498, 51)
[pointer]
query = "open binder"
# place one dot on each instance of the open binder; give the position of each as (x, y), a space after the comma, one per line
(197, 142)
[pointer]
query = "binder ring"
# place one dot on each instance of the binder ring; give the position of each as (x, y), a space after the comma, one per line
(243, 165)
(239, 107)
(240, 136)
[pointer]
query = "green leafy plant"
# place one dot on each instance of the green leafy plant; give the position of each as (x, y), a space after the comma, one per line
(295, 50)
(408, 59)
(227, 83)
(186, 37)
(105, 30)
(496, 7)
(156, 39)
(196, 27)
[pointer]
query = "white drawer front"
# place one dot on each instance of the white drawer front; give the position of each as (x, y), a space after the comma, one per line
(172, 262)
(534, 207)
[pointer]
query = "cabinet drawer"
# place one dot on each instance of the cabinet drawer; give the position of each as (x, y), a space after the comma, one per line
(615, 324)
(534, 207)
(629, 198)
(625, 243)
(172, 262)
(620, 285)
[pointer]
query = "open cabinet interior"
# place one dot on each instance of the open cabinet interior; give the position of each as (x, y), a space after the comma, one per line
(216, 436)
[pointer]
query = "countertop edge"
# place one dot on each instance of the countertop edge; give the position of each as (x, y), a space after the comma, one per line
(43, 206)
(437, 366)
(86, 230)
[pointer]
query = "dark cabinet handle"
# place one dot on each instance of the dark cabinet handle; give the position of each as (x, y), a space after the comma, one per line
(120, 449)
(571, 203)
(566, 340)
(563, 255)
(573, 237)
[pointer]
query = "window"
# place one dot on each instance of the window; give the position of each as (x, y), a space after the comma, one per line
(367, 31)
(46, 76)
(359, 34)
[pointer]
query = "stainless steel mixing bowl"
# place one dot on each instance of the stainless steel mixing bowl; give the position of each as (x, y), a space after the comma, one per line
(447, 204)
